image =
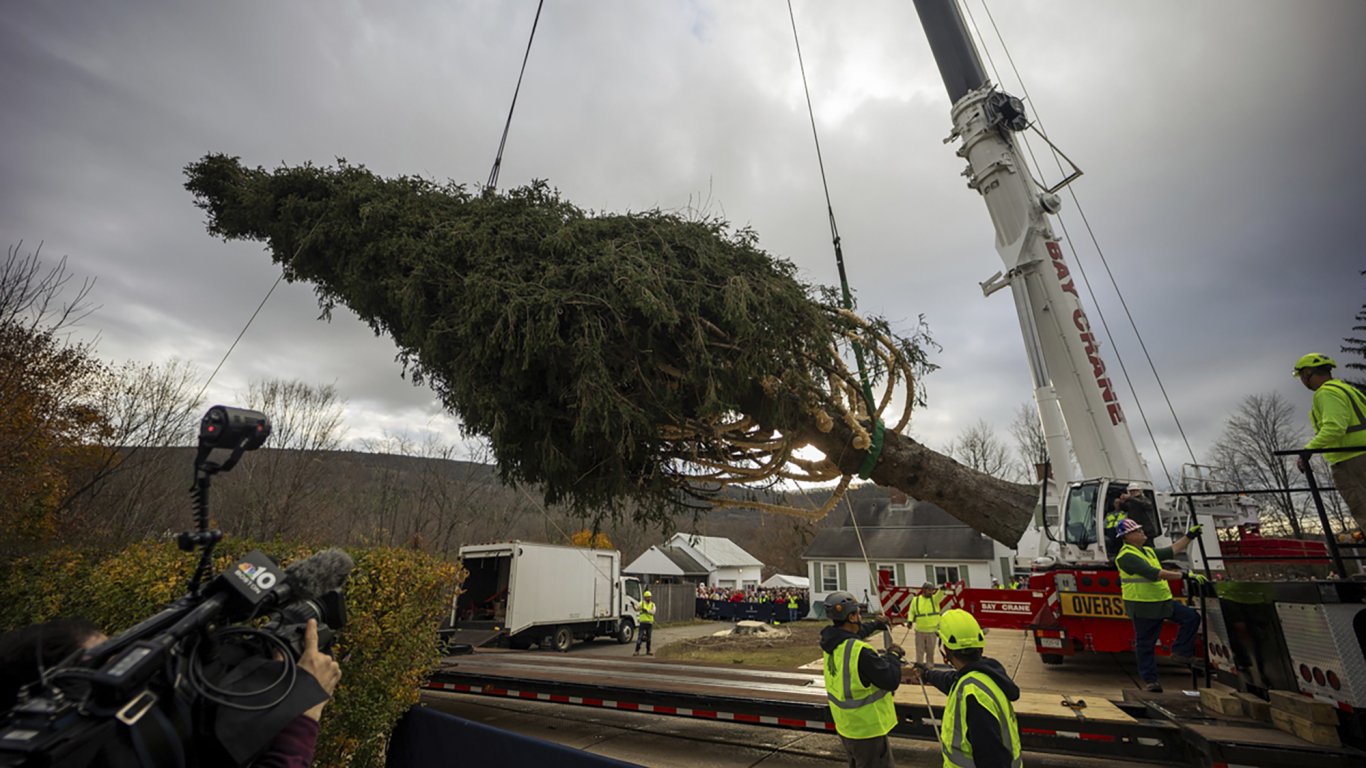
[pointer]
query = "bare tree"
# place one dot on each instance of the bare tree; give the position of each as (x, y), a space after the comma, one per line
(1261, 425)
(979, 448)
(147, 407)
(282, 481)
(1030, 446)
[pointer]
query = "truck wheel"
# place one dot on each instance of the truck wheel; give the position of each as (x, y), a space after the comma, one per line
(626, 631)
(1052, 659)
(562, 639)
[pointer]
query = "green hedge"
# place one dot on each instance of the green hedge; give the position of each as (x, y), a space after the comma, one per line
(395, 601)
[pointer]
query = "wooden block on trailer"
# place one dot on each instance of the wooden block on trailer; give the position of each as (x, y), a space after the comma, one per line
(1312, 732)
(1303, 707)
(1220, 702)
(1254, 706)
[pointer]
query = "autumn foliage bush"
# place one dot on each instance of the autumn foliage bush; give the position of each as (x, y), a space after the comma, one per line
(395, 601)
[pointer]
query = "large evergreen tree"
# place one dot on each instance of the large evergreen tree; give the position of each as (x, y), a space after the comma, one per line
(620, 362)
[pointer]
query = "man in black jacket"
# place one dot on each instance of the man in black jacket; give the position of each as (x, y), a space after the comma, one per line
(978, 726)
(859, 681)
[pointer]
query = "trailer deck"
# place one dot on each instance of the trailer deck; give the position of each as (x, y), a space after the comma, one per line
(1134, 730)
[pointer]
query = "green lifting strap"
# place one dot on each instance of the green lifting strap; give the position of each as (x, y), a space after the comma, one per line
(875, 447)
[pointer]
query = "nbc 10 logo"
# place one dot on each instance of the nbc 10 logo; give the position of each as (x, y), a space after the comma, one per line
(258, 577)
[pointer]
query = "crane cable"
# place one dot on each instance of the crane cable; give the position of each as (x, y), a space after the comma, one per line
(875, 447)
(498, 159)
(1100, 251)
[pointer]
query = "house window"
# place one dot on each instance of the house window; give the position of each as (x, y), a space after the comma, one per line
(830, 577)
(886, 574)
(726, 583)
(945, 574)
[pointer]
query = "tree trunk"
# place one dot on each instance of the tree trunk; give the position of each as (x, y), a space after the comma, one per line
(997, 508)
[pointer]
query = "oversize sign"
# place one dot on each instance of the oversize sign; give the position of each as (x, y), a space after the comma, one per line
(1092, 605)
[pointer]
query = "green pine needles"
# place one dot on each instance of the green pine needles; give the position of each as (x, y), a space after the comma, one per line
(626, 361)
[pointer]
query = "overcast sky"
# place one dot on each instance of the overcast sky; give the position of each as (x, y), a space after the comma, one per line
(1221, 143)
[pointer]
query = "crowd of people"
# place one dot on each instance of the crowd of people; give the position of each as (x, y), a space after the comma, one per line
(753, 603)
(752, 594)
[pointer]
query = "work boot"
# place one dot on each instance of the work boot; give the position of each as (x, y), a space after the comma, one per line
(637, 653)
(1153, 688)
(649, 653)
(1182, 659)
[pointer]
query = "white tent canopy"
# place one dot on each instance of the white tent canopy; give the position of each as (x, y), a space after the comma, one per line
(783, 581)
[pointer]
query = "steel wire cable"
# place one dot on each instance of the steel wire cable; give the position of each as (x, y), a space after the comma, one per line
(498, 159)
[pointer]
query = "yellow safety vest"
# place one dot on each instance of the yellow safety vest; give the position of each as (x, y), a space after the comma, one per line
(1137, 589)
(1113, 518)
(953, 732)
(1355, 433)
(647, 612)
(860, 711)
(925, 609)
(792, 603)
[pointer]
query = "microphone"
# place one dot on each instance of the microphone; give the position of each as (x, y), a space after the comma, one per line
(314, 591)
(321, 572)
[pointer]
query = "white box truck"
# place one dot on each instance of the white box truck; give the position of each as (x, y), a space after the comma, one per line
(522, 593)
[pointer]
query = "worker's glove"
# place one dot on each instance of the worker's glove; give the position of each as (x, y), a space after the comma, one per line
(1198, 578)
(1194, 532)
(875, 624)
(897, 651)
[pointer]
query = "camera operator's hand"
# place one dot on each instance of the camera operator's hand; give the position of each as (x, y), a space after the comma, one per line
(324, 668)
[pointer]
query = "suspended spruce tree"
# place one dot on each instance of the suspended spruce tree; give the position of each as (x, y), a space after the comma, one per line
(623, 364)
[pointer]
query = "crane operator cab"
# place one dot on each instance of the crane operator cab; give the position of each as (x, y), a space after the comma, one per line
(1095, 507)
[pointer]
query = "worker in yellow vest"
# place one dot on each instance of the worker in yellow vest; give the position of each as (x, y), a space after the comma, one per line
(793, 608)
(647, 625)
(924, 613)
(1148, 598)
(1339, 419)
(978, 729)
(859, 682)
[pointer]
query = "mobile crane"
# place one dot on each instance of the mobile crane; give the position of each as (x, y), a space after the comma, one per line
(1300, 636)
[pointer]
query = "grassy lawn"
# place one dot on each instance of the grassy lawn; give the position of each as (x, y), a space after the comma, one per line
(800, 646)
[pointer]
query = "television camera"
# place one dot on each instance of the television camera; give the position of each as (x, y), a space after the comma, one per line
(211, 678)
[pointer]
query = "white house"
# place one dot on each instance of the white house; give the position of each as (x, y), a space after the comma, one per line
(912, 542)
(727, 564)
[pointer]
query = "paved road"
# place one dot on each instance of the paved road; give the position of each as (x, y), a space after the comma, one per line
(663, 636)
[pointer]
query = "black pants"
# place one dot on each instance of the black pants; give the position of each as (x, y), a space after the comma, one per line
(869, 753)
(647, 634)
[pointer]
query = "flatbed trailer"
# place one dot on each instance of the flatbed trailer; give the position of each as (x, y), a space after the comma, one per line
(1169, 729)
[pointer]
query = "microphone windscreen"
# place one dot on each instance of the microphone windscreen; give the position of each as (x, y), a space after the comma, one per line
(321, 572)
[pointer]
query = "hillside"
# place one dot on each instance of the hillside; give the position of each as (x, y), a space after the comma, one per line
(352, 497)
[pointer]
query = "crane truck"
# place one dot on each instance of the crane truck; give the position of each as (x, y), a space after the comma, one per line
(1305, 636)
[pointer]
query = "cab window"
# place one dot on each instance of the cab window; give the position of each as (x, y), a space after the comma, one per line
(1079, 527)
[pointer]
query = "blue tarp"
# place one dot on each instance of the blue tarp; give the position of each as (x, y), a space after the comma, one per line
(426, 738)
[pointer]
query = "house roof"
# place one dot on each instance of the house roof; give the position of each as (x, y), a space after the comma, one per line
(665, 561)
(722, 552)
(685, 562)
(917, 530)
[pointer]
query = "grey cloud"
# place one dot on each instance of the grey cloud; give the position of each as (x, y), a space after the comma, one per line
(1216, 138)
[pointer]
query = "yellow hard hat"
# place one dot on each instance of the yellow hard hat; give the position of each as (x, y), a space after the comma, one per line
(647, 593)
(958, 629)
(1312, 360)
